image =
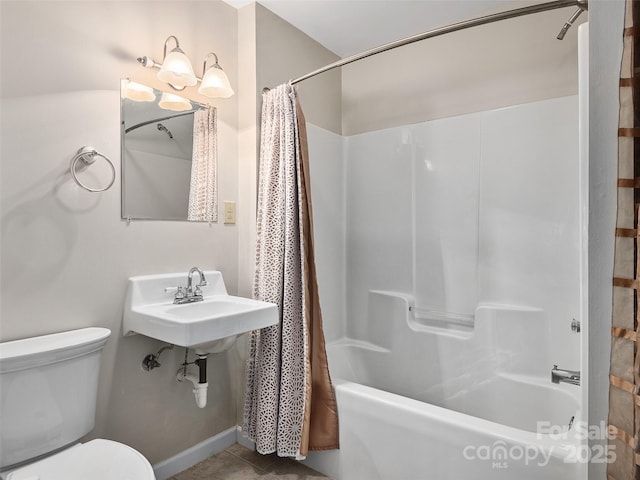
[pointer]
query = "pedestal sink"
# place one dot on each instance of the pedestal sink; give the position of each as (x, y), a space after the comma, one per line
(203, 325)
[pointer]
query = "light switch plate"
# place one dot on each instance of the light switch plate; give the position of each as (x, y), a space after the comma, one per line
(229, 212)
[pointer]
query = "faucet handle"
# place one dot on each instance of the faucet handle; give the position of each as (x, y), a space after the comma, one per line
(201, 283)
(179, 291)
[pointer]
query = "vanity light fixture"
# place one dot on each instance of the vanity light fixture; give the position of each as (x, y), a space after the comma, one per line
(176, 70)
(215, 83)
(138, 92)
(170, 101)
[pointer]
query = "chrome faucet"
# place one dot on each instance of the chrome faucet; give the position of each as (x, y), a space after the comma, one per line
(565, 376)
(203, 283)
(188, 294)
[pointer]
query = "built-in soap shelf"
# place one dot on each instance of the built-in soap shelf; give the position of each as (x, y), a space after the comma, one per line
(443, 321)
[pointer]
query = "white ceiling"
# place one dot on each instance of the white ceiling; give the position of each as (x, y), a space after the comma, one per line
(347, 27)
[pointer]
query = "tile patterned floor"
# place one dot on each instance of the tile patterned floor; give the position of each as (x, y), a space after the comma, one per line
(240, 463)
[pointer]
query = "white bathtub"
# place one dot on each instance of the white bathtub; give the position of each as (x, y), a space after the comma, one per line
(404, 417)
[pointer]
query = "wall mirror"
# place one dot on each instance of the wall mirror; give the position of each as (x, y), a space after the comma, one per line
(162, 178)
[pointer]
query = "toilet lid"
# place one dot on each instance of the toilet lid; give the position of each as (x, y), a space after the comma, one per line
(96, 460)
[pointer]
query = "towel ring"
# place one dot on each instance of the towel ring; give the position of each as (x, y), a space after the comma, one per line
(88, 156)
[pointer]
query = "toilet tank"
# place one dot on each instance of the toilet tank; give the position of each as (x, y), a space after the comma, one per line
(48, 390)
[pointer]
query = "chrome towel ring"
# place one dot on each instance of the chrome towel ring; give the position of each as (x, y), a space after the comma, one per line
(88, 156)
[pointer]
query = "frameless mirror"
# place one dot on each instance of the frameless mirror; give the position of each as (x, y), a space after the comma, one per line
(161, 177)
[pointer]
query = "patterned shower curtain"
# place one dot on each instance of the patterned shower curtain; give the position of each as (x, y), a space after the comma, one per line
(290, 406)
(624, 375)
(203, 196)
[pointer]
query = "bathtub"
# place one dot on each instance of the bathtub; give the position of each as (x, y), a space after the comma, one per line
(484, 412)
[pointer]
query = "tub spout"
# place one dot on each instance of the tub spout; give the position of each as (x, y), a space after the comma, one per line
(565, 376)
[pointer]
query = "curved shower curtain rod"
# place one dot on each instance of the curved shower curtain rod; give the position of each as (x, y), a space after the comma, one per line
(581, 5)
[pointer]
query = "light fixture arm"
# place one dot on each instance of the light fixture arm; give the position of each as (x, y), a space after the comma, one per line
(204, 64)
(164, 52)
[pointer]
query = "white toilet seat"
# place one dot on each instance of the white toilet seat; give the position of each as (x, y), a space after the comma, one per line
(96, 460)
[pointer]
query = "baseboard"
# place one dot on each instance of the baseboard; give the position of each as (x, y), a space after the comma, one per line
(189, 457)
(243, 439)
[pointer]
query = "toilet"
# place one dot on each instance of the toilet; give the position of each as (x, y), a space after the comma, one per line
(48, 392)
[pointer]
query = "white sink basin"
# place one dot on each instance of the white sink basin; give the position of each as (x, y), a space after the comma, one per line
(150, 311)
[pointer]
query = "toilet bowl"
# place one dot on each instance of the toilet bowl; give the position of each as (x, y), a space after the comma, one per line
(49, 388)
(95, 460)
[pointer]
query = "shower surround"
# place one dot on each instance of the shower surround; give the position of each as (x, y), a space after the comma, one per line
(449, 282)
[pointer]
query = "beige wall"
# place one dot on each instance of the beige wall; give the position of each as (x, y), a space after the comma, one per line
(482, 68)
(248, 118)
(285, 53)
(66, 254)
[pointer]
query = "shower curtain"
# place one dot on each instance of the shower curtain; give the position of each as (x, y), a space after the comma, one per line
(203, 197)
(290, 406)
(624, 375)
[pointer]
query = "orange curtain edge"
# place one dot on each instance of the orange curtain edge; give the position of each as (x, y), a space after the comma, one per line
(321, 432)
